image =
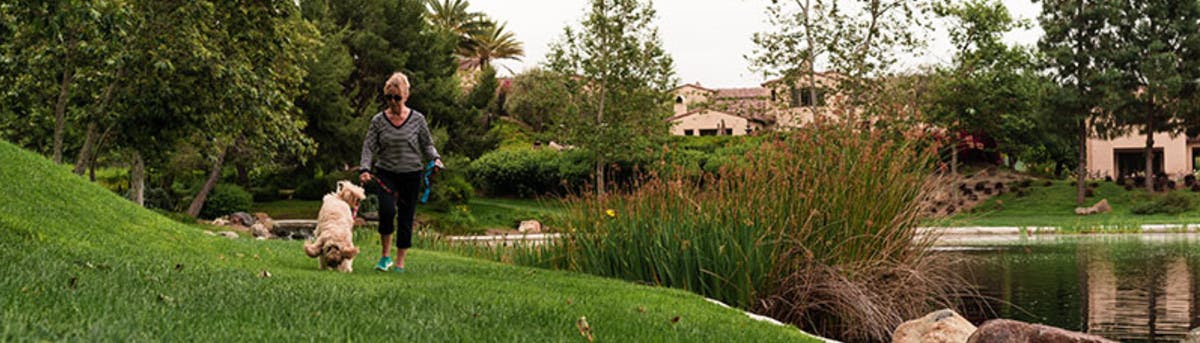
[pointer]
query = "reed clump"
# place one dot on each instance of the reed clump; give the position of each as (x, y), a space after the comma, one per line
(815, 227)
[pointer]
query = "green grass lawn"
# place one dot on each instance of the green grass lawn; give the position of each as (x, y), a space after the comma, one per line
(500, 213)
(1055, 206)
(489, 213)
(289, 209)
(82, 264)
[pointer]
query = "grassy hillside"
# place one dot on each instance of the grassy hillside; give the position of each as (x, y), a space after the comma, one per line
(80, 263)
(1055, 206)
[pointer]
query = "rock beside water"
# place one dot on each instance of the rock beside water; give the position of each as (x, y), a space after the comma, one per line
(943, 326)
(1011, 331)
(1099, 207)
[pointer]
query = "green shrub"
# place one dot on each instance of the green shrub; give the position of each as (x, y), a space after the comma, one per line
(1170, 203)
(449, 190)
(159, 198)
(529, 172)
(265, 193)
(225, 199)
(316, 187)
(457, 221)
(311, 189)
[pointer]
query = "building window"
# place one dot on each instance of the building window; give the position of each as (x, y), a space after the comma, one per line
(708, 132)
(678, 99)
(803, 97)
(773, 97)
(687, 132)
(729, 132)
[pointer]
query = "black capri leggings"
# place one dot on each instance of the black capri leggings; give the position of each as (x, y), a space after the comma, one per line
(403, 201)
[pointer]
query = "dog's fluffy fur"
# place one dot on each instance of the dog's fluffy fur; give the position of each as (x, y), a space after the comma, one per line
(334, 247)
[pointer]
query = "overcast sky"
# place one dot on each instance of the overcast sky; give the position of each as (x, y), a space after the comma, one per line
(707, 38)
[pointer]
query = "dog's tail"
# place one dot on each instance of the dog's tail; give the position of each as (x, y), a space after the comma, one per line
(312, 249)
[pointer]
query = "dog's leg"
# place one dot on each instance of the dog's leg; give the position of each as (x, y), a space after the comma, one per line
(347, 266)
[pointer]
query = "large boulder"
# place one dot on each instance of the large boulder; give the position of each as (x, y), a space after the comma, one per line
(1099, 207)
(530, 226)
(1011, 331)
(942, 326)
(260, 231)
(1192, 336)
(241, 218)
(264, 219)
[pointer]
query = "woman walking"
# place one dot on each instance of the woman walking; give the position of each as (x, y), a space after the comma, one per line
(396, 145)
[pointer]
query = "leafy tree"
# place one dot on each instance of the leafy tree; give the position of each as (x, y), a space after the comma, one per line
(802, 31)
(1155, 49)
(539, 99)
(620, 79)
(992, 89)
(859, 40)
(229, 72)
(60, 55)
(331, 120)
(1071, 49)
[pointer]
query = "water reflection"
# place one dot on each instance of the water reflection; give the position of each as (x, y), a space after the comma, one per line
(1127, 288)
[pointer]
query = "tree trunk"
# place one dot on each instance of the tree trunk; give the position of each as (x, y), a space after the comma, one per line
(243, 177)
(85, 153)
(91, 163)
(1081, 171)
(60, 112)
(89, 149)
(198, 202)
(137, 179)
(1149, 151)
(954, 154)
(811, 59)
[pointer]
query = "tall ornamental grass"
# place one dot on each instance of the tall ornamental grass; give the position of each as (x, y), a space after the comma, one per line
(815, 227)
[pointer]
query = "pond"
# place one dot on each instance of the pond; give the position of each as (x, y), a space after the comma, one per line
(1131, 288)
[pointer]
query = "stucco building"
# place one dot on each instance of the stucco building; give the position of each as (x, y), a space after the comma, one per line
(702, 111)
(1174, 155)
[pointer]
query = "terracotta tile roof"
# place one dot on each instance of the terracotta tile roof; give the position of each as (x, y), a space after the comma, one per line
(693, 85)
(751, 103)
(756, 92)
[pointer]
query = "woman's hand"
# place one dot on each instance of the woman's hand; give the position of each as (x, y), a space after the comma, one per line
(364, 177)
(437, 164)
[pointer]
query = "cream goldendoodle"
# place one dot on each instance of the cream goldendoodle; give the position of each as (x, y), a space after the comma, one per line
(334, 247)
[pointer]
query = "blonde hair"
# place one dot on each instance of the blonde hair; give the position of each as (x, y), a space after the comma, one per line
(399, 82)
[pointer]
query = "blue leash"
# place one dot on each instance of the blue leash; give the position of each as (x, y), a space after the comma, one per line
(425, 178)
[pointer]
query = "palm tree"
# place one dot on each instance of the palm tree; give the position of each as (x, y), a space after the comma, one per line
(454, 16)
(491, 43)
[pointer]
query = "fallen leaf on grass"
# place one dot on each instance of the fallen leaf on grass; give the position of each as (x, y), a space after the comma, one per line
(264, 274)
(584, 328)
(675, 320)
(569, 302)
(641, 309)
(166, 299)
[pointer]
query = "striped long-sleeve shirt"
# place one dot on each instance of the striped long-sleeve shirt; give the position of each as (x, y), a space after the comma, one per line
(395, 148)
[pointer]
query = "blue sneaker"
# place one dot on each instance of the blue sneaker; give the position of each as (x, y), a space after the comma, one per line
(384, 264)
